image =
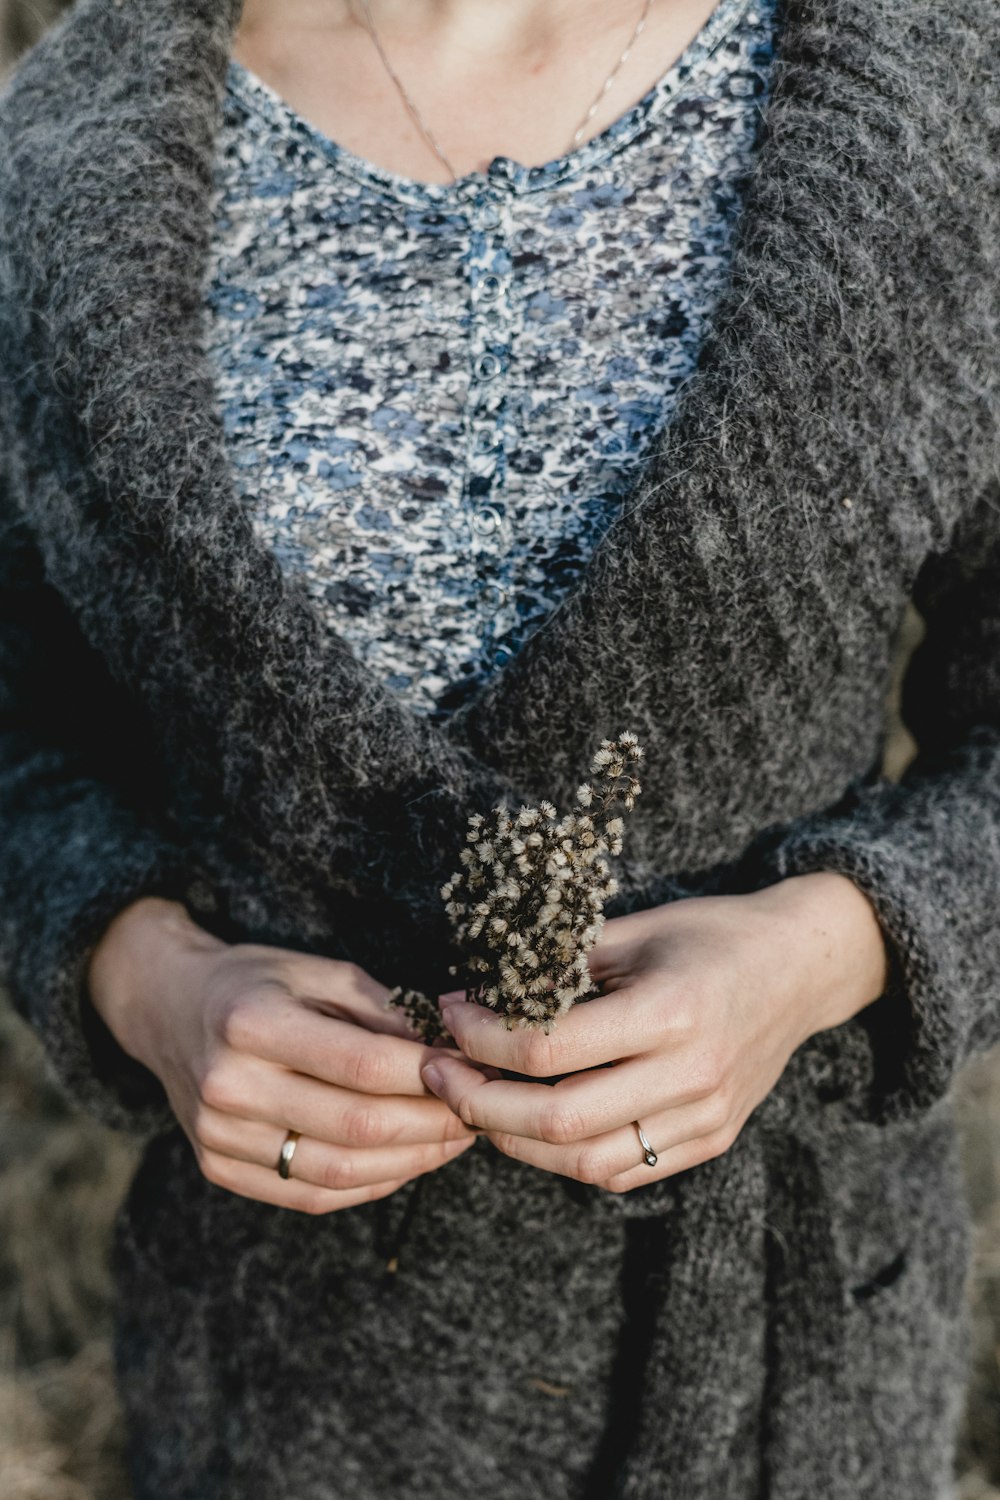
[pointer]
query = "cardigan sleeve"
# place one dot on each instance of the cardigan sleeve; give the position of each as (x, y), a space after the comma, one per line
(926, 852)
(79, 839)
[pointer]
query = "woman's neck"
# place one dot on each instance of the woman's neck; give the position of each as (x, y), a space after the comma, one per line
(512, 79)
(480, 27)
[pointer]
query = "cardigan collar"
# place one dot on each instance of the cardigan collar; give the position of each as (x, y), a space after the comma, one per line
(110, 129)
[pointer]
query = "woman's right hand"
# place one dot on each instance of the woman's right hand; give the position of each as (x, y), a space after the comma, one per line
(250, 1042)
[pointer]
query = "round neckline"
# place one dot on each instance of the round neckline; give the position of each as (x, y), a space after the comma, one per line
(503, 173)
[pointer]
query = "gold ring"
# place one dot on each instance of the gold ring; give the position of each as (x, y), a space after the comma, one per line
(287, 1152)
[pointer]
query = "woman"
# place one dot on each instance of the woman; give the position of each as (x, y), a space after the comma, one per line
(242, 277)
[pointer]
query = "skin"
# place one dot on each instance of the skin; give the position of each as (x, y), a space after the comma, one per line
(489, 80)
(251, 1041)
(703, 1001)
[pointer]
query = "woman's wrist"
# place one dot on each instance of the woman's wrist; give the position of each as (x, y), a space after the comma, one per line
(128, 964)
(837, 950)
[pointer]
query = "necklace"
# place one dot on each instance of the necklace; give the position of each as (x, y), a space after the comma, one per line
(418, 119)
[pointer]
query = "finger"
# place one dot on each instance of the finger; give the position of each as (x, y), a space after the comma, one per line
(256, 1090)
(346, 992)
(598, 1031)
(679, 1158)
(264, 1185)
(614, 953)
(615, 1160)
(318, 1162)
(317, 1044)
(574, 1109)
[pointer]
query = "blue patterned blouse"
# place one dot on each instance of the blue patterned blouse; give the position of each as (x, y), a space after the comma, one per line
(436, 395)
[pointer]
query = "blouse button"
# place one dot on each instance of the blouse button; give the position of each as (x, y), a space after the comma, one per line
(486, 520)
(488, 367)
(494, 595)
(485, 441)
(489, 287)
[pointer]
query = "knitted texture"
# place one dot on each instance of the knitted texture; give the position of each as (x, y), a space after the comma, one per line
(787, 1319)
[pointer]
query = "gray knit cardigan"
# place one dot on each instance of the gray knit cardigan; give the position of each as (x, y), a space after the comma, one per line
(787, 1320)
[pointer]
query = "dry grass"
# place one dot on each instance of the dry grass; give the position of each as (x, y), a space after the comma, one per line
(980, 1097)
(61, 1178)
(22, 23)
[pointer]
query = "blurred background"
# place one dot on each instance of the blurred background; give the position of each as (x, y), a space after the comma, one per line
(62, 1177)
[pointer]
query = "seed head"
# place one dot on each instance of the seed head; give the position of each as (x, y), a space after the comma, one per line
(527, 904)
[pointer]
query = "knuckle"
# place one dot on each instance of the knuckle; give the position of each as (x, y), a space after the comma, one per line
(509, 1145)
(212, 1168)
(364, 1126)
(536, 1054)
(717, 1113)
(368, 1070)
(202, 1126)
(340, 1171)
(237, 1025)
(679, 1016)
(351, 975)
(716, 1143)
(658, 1020)
(707, 1073)
(561, 1124)
(314, 1201)
(592, 1166)
(463, 1112)
(453, 1127)
(218, 1089)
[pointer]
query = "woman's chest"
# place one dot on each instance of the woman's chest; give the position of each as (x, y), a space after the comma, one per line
(435, 397)
(517, 338)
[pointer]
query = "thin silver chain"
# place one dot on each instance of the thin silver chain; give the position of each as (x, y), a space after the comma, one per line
(418, 119)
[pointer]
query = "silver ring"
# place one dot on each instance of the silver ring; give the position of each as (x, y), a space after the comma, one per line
(648, 1154)
(287, 1152)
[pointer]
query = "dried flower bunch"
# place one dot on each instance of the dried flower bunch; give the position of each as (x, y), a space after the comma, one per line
(528, 903)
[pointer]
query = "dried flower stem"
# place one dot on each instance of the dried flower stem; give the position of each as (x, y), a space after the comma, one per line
(528, 903)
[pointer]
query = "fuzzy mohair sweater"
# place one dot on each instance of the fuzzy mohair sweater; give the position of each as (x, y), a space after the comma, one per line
(787, 1320)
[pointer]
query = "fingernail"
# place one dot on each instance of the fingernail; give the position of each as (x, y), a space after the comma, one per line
(433, 1078)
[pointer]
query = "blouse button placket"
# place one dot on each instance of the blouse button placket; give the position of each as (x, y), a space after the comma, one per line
(490, 335)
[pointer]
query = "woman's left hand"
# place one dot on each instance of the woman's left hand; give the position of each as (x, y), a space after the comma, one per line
(703, 1002)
